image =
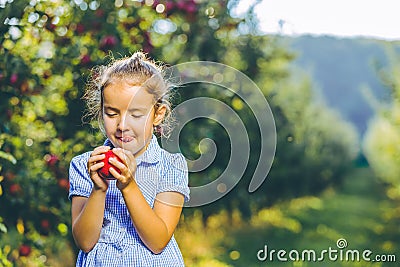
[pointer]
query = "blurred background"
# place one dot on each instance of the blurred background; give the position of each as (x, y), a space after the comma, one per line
(335, 101)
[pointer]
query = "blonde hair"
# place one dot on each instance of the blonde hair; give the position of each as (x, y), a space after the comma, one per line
(137, 68)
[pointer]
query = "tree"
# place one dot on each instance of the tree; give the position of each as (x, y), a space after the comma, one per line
(381, 141)
(47, 50)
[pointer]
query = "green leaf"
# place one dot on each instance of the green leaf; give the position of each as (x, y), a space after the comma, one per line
(8, 157)
(3, 228)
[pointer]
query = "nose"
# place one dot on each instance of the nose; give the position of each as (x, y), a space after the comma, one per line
(122, 123)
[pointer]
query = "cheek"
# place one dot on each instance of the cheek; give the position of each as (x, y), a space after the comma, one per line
(150, 121)
(108, 123)
(145, 124)
(139, 125)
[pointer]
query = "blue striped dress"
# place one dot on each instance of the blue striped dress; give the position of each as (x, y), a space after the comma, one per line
(119, 243)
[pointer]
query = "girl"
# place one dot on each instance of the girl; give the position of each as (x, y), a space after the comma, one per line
(128, 221)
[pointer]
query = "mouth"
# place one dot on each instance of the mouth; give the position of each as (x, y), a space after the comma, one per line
(125, 139)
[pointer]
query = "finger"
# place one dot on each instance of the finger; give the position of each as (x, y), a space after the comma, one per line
(122, 167)
(128, 160)
(94, 161)
(119, 152)
(116, 174)
(123, 179)
(94, 158)
(125, 155)
(100, 150)
(93, 167)
(98, 182)
(97, 155)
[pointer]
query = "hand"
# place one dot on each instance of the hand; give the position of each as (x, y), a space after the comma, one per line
(127, 167)
(94, 164)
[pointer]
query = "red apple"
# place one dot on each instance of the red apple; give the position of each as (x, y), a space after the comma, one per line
(24, 250)
(181, 4)
(10, 175)
(63, 183)
(14, 78)
(99, 13)
(191, 8)
(169, 6)
(85, 59)
(51, 159)
(104, 172)
(45, 224)
(80, 28)
(108, 42)
(15, 189)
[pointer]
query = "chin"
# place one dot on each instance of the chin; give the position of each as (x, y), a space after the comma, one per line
(133, 147)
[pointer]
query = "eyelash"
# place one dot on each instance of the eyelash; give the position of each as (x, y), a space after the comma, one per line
(115, 114)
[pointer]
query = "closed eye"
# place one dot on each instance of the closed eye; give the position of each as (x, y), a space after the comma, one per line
(137, 116)
(109, 114)
(110, 111)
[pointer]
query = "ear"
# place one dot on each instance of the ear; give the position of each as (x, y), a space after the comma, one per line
(159, 114)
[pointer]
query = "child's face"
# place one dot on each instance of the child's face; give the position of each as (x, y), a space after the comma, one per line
(129, 116)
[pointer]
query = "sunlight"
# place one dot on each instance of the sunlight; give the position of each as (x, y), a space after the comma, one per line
(340, 17)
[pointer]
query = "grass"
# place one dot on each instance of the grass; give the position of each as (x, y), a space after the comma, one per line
(359, 212)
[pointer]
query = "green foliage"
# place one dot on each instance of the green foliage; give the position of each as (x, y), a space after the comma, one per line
(47, 49)
(384, 153)
(3, 229)
(357, 213)
(381, 142)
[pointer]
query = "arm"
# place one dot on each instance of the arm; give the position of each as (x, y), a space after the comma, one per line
(87, 213)
(154, 226)
(87, 219)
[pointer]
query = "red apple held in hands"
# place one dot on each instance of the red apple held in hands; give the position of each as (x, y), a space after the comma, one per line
(104, 172)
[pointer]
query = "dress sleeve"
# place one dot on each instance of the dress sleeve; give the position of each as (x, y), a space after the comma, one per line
(175, 175)
(80, 183)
